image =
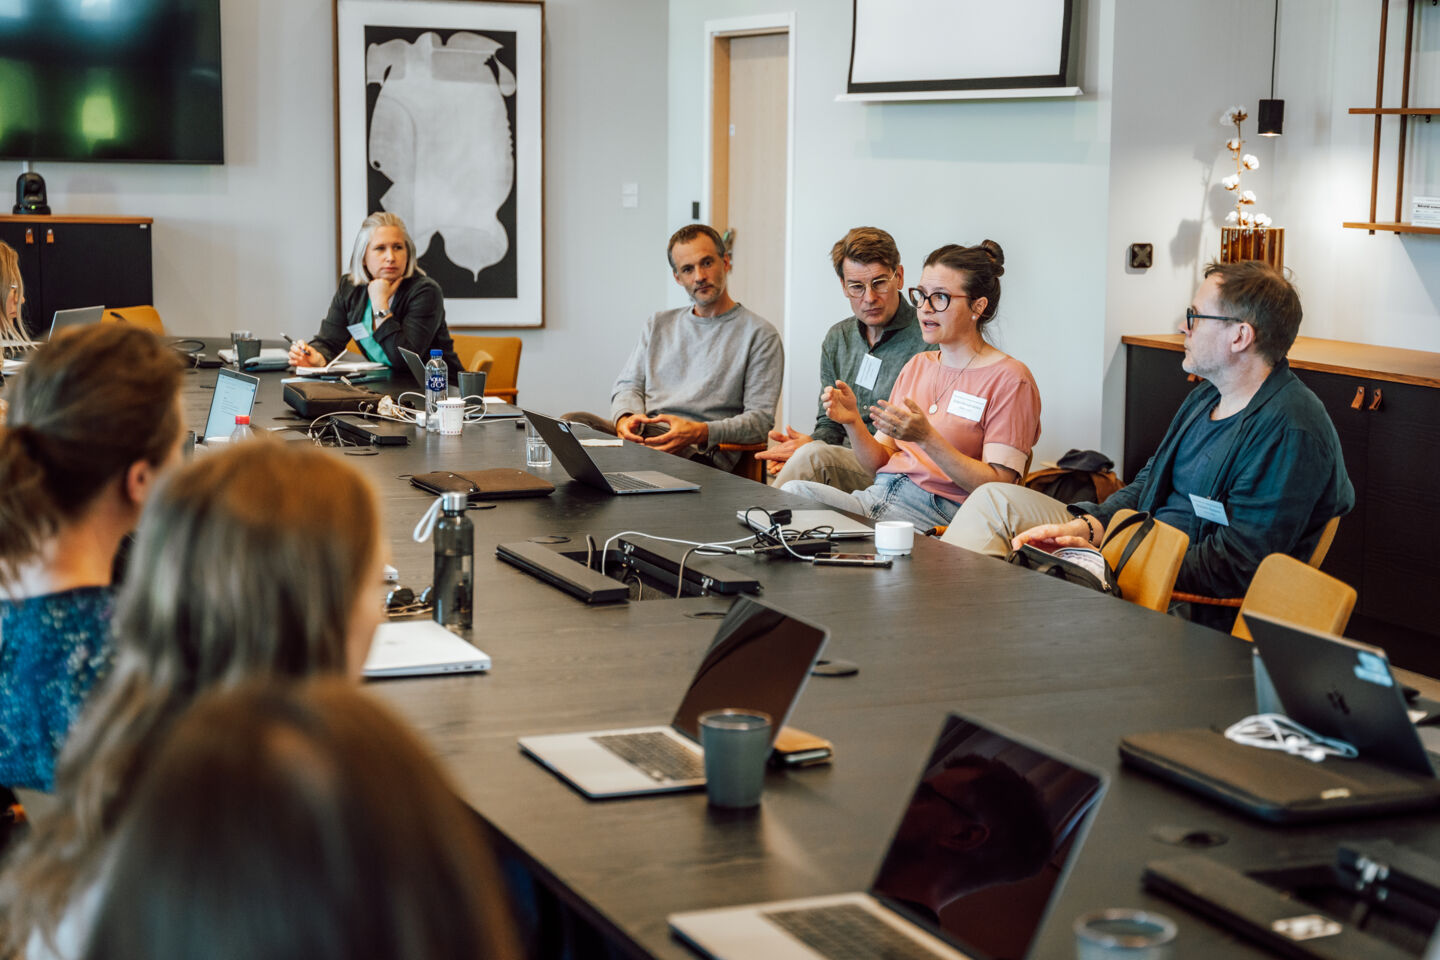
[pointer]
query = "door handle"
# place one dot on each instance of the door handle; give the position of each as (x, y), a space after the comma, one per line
(49, 234)
(30, 236)
(1359, 402)
(1375, 404)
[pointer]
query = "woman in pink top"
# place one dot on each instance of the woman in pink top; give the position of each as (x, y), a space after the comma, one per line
(965, 415)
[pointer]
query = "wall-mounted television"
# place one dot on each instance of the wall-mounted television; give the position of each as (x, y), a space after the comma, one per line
(111, 80)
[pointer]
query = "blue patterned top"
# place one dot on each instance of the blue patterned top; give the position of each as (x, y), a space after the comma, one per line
(53, 650)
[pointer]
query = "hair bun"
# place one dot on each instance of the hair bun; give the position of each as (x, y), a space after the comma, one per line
(996, 254)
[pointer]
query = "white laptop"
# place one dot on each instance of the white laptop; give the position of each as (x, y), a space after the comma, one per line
(977, 861)
(759, 660)
(234, 397)
(79, 317)
(840, 526)
(421, 648)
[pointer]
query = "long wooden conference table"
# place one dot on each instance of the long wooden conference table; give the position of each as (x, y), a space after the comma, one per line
(943, 630)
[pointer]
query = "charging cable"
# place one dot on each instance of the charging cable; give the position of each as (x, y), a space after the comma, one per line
(1275, 731)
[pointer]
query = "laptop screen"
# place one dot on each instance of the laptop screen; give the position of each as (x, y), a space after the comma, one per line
(987, 838)
(759, 660)
(234, 397)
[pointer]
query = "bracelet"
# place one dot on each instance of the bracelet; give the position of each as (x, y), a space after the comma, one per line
(1089, 529)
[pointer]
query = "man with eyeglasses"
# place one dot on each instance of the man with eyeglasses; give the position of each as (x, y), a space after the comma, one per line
(867, 350)
(1250, 465)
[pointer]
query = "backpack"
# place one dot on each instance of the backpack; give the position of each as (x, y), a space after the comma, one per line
(1081, 476)
(1086, 565)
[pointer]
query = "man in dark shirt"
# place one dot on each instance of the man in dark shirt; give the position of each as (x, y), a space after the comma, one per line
(866, 350)
(1250, 465)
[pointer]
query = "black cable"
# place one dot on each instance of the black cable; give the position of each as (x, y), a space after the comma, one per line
(1274, 45)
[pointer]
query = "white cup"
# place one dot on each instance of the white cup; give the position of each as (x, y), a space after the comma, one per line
(894, 538)
(452, 416)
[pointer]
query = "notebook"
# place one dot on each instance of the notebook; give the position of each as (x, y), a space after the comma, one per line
(421, 648)
(269, 358)
(578, 463)
(234, 397)
(974, 866)
(759, 660)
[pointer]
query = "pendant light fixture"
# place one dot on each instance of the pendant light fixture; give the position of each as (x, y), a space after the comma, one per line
(1271, 115)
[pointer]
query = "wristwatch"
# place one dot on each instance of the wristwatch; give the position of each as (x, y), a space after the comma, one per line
(384, 315)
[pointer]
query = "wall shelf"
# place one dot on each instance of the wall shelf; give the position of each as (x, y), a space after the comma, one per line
(1397, 111)
(1399, 227)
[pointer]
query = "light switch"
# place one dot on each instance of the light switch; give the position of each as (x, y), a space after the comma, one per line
(629, 195)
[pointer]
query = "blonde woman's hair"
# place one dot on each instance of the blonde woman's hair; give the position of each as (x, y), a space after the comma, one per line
(358, 274)
(11, 328)
(238, 573)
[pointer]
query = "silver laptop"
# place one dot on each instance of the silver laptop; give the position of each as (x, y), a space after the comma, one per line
(840, 527)
(421, 648)
(979, 858)
(578, 463)
(759, 660)
(234, 397)
(1345, 690)
(79, 317)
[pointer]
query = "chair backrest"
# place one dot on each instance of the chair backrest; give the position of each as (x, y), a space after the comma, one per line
(1327, 537)
(504, 353)
(145, 316)
(1289, 590)
(1149, 577)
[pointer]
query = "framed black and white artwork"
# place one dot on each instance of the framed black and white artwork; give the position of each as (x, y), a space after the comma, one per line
(440, 115)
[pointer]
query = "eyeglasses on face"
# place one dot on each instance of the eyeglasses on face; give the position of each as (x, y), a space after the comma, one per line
(880, 286)
(1191, 316)
(939, 300)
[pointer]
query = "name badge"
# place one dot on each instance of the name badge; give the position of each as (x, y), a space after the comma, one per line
(1212, 510)
(868, 372)
(966, 405)
(357, 331)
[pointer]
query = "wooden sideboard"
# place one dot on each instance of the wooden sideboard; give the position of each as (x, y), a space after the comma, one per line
(1385, 404)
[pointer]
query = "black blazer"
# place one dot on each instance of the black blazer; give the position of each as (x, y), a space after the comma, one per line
(418, 324)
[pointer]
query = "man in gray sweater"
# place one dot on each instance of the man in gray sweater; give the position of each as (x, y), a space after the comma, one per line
(701, 375)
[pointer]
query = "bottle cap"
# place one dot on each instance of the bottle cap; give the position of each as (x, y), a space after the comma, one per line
(242, 418)
(436, 353)
(453, 501)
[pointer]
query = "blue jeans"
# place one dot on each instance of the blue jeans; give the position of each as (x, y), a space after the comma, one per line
(893, 496)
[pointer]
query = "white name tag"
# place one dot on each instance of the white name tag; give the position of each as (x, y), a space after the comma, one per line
(1212, 510)
(868, 372)
(966, 405)
(357, 330)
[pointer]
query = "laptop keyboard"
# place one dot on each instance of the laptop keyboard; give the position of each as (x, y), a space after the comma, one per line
(658, 756)
(848, 932)
(623, 481)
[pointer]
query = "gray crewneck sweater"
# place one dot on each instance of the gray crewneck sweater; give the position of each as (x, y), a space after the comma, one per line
(724, 371)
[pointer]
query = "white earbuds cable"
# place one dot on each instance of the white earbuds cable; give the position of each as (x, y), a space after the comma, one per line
(1275, 731)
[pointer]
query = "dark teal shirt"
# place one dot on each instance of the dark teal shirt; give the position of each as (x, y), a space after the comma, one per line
(53, 650)
(840, 355)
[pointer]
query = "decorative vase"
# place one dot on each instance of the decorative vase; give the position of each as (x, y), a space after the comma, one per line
(1253, 243)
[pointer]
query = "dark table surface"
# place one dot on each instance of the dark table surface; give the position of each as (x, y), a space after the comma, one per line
(942, 630)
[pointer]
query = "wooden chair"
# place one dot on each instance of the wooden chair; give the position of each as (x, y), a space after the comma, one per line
(145, 316)
(1287, 589)
(1317, 557)
(747, 466)
(1149, 576)
(504, 355)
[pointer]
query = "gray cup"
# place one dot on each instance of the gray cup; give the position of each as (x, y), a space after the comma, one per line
(736, 745)
(472, 384)
(246, 349)
(1122, 934)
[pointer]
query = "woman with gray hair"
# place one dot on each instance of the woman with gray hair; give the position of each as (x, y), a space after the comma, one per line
(384, 303)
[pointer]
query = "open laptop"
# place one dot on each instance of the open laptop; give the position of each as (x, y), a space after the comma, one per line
(578, 463)
(421, 648)
(759, 660)
(1345, 690)
(494, 409)
(234, 397)
(977, 861)
(78, 317)
(841, 526)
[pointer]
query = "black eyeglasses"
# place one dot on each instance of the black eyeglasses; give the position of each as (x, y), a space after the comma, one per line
(939, 300)
(1191, 316)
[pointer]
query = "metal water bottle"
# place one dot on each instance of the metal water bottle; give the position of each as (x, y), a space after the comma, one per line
(454, 563)
(437, 387)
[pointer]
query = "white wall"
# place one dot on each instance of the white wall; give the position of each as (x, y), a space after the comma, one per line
(252, 244)
(1031, 175)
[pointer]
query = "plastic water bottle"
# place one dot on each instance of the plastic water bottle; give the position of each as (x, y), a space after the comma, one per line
(437, 387)
(454, 563)
(243, 431)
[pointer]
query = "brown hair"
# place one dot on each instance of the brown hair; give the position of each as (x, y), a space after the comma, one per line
(85, 408)
(691, 232)
(865, 245)
(983, 266)
(1257, 293)
(11, 328)
(241, 574)
(267, 827)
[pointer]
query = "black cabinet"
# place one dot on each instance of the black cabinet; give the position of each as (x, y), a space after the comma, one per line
(72, 262)
(1390, 437)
